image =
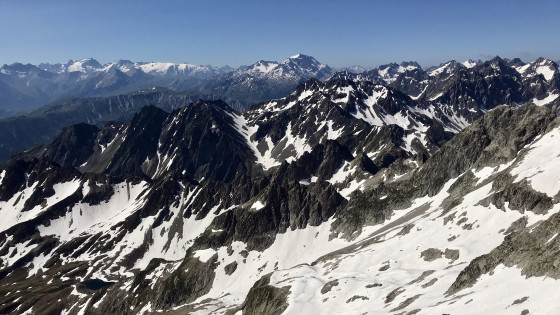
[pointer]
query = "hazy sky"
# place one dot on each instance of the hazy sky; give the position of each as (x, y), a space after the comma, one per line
(234, 33)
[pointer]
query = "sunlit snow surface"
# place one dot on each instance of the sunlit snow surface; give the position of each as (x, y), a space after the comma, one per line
(387, 261)
(441, 69)
(548, 99)
(469, 63)
(12, 213)
(541, 165)
(384, 259)
(546, 72)
(542, 67)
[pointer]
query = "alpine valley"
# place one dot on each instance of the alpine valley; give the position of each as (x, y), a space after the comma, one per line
(280, 188)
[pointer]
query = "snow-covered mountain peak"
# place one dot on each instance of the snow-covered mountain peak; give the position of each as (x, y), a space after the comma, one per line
(409, 65)
(303, 63)
(445, 68)
(470, 63)
(159, 67)
(121, 64)
(176, 69)
(291, 71)
(301, 57)
(391, 71)
(262, 67)
(542, 66)
(87, 65)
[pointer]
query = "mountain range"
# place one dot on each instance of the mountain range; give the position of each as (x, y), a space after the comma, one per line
(453, 92)
(24, 87)
(395, 190)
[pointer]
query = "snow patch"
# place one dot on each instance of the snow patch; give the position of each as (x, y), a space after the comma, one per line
(257, 205)
(541, 165)
(2, 176)
(204, 254)
(546, 72)
(549, 99)
(469, 63)
(243, 127)
(12, 212)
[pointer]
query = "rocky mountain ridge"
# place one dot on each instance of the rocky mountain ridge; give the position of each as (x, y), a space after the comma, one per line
(49, 120)
(476, 87)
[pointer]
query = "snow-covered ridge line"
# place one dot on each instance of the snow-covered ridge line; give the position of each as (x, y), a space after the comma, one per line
(88, 66)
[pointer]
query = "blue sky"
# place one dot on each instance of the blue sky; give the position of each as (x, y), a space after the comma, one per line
(338, 33)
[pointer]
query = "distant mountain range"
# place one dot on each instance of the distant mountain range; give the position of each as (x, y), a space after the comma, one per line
(24, 87)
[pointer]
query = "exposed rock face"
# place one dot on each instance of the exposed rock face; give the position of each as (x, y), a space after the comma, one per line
(470, 91)
(230, 268)
(533, 250)
(328, 286)
(192, 279)
(140, 143)
(492, 140)
(431, 254)
(292, 207)
(195, 140)
(265, 299)
(73, 145)
(198, 138)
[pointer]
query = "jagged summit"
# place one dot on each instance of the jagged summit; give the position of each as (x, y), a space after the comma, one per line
(301, 57)
(515, 62)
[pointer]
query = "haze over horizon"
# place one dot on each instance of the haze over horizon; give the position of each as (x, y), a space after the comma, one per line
(219, 33)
